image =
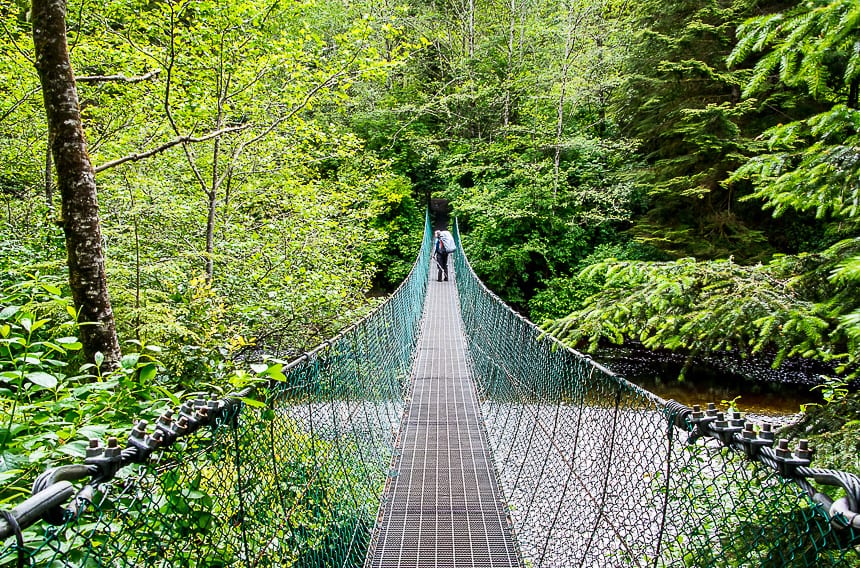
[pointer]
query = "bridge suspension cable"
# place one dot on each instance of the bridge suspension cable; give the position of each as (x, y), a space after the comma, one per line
(595, 470)
(289, 475)
(600, 472)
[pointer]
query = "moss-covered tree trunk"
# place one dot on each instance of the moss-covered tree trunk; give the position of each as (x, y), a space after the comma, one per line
(76, 182)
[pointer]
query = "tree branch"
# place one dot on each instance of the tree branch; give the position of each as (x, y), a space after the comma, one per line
(15, 43)
(308, 97)
(85, 79)
(19, 102)
(120, 78)
(175, 142)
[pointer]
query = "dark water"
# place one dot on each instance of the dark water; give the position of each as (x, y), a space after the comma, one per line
(761, 389)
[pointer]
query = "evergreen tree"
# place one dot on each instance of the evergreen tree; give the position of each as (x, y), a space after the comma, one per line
(683, 103)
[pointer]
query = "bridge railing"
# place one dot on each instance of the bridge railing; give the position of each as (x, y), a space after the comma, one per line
(599, 472)
(289, 475)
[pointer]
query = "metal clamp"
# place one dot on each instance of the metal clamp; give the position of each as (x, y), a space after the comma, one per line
(53, 488)
(753, 442)
(106, 460)
(795, 465)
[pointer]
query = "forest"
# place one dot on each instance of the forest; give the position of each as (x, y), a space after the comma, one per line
(681, 175)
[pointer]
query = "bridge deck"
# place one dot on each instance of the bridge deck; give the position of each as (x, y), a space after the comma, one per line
(443, 507)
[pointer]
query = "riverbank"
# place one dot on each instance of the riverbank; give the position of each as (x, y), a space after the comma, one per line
(758, 388)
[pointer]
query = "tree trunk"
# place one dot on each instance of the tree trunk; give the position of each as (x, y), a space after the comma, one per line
(76, 183)
(569, 44)
(49, 179)
(853, 93)
(506, 114)
(212, 194)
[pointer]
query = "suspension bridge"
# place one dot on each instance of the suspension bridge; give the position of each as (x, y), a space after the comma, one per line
(442, 430)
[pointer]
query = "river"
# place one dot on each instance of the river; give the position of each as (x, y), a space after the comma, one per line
(759, 389)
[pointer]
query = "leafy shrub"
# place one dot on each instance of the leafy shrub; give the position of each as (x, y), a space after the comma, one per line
(51, 404)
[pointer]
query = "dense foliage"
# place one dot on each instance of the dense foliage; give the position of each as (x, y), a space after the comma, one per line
(262, 166)
(240, 213)
(794, 302)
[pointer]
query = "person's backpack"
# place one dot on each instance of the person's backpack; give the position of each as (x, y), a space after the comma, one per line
(447, 241)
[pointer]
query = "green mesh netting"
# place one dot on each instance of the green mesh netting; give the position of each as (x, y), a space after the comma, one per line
(596, 474)
(294, 482)
(594, 469)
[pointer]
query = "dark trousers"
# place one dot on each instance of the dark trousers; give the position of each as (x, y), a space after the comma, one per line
(442, 259)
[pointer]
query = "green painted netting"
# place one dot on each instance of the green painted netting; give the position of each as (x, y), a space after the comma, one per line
(596, 471)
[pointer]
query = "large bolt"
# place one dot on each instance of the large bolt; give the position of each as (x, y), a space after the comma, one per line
(154, 439)
(166, 419)
(782, 450)
(113, 450)
(95, 448)
(697, 412)
(803, 451)
(139, 430)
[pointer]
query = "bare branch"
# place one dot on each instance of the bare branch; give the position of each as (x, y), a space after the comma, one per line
(167, 145)
(308, 97)
(11, 37)
(85, 79)
(19, 102)
(118, 78)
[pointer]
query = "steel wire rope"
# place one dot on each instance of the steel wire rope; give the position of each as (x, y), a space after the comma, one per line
(342, 460)
(619, 383)
(570, 474)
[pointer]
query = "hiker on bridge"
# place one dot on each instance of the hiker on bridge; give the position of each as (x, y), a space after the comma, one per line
(443, 246)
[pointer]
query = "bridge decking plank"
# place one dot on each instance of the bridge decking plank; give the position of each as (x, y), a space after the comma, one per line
(443, 507)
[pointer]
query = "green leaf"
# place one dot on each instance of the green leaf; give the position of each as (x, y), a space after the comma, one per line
(253, 403)
(259, 368)
(147, 372)
(11, 375)
(8, 312)
(76, 448)
(39, 324)
(170, 396)
(276, 375)
(99, 358)
(129, 361)
(42, 379)
(51, 289)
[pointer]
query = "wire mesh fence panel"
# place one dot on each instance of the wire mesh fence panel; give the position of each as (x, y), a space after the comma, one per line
(596, 471)
(290, 475)
(599, 472)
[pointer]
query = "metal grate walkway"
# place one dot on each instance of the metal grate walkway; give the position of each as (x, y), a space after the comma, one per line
(443, 506)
